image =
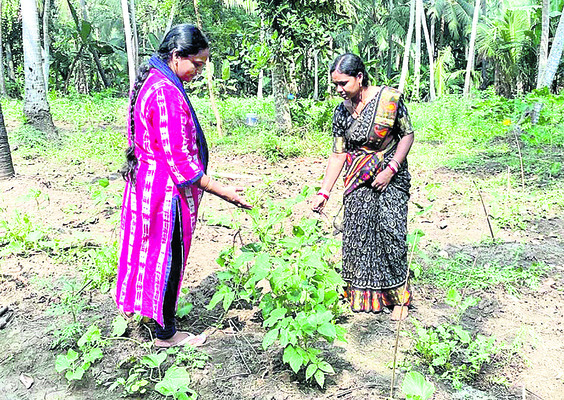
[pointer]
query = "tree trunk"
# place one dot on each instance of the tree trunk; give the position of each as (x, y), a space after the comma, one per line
(10, 62)
(281, 106)
(209, 75)
(316, 75)
(430, 52)
(129, 43)
(329, 80)
(46, 43)
(543, 50)
(71, 68)
(3, 92)
(390, 56)
(551, 64)
(6, 165)
(470, 62)
(405, 64)
(484, 83)
(418, 11)
(134, 33)
(36, 107)
(260, 84)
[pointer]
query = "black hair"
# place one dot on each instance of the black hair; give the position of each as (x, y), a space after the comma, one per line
(351, 65)
(186, 40)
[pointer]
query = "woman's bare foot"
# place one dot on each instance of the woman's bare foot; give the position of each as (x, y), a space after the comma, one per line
(399, 313)
(181, 339)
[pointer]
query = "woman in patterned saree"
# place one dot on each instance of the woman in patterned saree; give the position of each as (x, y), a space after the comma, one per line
(165, 179)
(372, 137)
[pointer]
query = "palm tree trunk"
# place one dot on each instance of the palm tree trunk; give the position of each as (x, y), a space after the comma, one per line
(209, 75)
(316, 75)
(10, 62)
(470, 62)
(6, 165)
(551, 64)
(430, 52)
(405, 64)
(281, 106)
(36, 107)
(134, 33)
(46, 43)
(3, 92)
(329, 80)
(543, 48)
(129, 43)
(417, 49)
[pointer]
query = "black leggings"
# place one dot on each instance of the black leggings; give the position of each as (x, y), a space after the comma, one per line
(171, 293)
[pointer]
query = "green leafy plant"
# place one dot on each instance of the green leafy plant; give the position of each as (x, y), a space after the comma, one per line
(302, 303)
(75, 363)
(450, 351)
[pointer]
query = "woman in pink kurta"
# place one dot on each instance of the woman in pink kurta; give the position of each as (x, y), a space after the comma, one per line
(165, 179)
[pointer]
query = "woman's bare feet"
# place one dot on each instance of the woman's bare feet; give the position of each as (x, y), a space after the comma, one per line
(399, 313)
(181, 339)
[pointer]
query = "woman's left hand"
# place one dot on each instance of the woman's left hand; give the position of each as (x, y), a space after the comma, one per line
(382, 180)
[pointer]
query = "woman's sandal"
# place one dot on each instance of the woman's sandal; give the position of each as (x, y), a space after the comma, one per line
(190, 339)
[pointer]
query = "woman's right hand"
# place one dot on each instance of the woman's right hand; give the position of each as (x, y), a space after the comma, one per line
(232, 195)
(318, 203)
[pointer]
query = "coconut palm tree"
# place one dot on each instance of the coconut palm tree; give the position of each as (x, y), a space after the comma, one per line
(36, 107)
(3, 92)
(470, 63)
(6, 165)
(543, 48)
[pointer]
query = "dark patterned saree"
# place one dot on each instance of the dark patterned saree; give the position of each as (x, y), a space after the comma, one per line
(375, 223)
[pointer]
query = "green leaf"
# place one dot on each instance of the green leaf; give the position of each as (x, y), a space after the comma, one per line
(320, 377)
(91, 335)
(274, 316)
(292, 357)
(175, 381)
(327, 330)
(154, 360)
(119, 325)
(92, 355)
(65, 361)
(75, 375)
(311, 369)
(269, 338)
(184, 310)
(453, 297)
(104, 182)
(225, 70)
(217, 297)
(415, 385)
(326, 367)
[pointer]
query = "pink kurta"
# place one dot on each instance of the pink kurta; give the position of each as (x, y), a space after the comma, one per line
(165, 145)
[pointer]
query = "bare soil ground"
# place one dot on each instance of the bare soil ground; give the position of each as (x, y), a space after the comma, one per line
(238, 368)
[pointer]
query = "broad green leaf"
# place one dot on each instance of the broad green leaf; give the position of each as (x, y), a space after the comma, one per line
(292, 357)
(328, 330)
(119, 325)
(326, 367)
(176, 380)
(92, 355)
(91, 335)
(228, 300)
(104, 182)
(216, 298)
(453, 297)
(415, 386)
(154, 360)
(269, 338)
(274, 316)
(311, 369)
(320, 377)
(74, 375)
(184, 310)
(65, 361)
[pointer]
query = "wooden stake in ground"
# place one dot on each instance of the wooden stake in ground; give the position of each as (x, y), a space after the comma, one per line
(485, 210)
(210, 78)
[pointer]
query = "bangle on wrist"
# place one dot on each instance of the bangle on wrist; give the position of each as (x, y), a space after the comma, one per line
(397, 163)
(394, 170)
(323, 193)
